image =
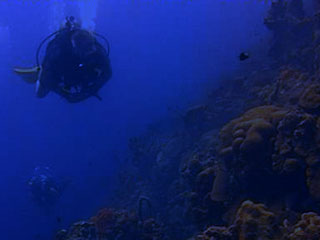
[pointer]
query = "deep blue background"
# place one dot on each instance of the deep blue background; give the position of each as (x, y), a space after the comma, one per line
(164, 53)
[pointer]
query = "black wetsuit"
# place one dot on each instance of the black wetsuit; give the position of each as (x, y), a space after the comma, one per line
(76, 65)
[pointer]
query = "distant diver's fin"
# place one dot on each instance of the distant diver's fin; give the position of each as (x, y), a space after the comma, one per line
(29, 75)
(98, 97)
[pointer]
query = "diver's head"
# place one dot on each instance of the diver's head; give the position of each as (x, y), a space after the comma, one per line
(71, 23)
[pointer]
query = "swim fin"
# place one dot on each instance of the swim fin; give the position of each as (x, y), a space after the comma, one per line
(29, 75)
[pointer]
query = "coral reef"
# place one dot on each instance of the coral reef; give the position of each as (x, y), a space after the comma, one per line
(286, 20)
(307, 228)
(249, 134)
(286, 89)
(252, 221)
(267, 149)
(255, 221)
(112, 224)
(310, 99)
(81, 230)
(256, 138)
(268, 145)
(246, 147)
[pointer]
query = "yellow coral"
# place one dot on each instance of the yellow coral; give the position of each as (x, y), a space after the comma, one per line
(254, 220)
(307, 228)
(291, 165)
(205, 174)
(250, 131)
(213, 232)
(220, 189)
(310, 98)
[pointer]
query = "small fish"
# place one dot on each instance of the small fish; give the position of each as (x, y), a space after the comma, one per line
(244, 56)
(59, 219)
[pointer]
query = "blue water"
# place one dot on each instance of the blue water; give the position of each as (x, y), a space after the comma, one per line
(165, 54)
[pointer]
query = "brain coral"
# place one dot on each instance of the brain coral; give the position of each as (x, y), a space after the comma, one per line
(251, 132)
(308, 228)
(216, 233)
(253, 221)
(269, 144)
(310, 99)
(246, 143)
(256, 222)
(294, 141)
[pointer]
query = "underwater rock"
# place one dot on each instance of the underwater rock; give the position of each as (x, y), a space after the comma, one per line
(220, 189)
(216, 233)
(286, 89)
(297, 152)
(316, 5)
(287, 21)
(269, 151)
(113, 224)
(103, 220)
(245, 152)
(81, 230)
(61, 235)
(294, 141)
(252, 221)
(255, 221)
(197, 174)
(197, 166)
(308, 228)
(250, 133)
(204, 179)
(295, 9)
(195, 119)
(310, 99)
(269, 154)
(192, 168)
(151, 230)
(197, 214)
(313, 181)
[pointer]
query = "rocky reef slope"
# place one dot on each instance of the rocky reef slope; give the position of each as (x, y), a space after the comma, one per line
(244, 165)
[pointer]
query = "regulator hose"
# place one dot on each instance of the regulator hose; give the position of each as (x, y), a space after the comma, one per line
(41, 44)
(105, 39)
(56, 32)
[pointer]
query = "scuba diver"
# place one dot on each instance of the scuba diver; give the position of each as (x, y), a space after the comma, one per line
(43, 187)
(75, 65)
